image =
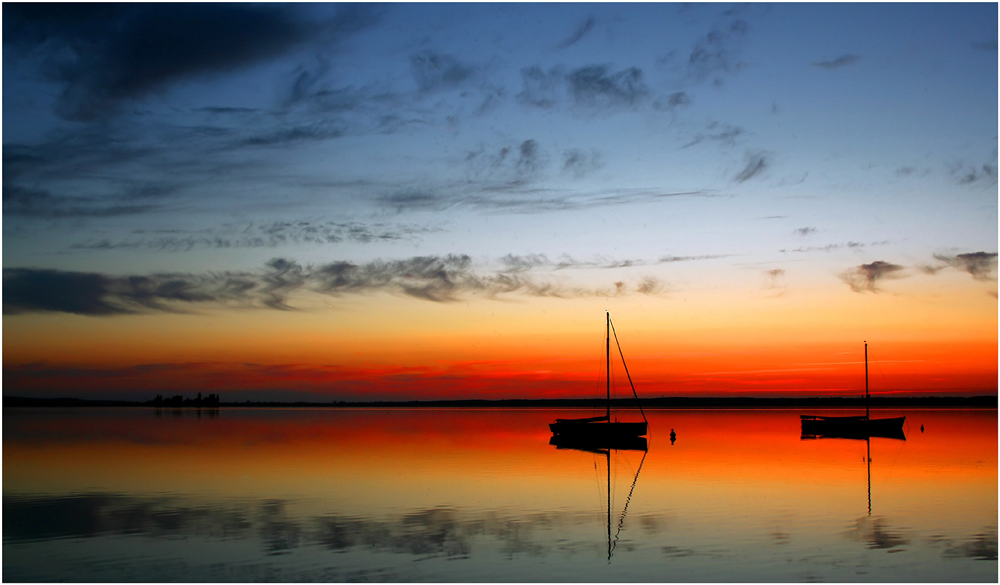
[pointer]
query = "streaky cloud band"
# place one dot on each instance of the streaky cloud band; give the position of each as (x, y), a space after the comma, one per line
(439, 279)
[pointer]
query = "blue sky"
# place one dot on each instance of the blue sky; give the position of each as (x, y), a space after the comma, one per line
(703, 145)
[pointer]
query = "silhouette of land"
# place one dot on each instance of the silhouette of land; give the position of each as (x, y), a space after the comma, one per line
(986, 401)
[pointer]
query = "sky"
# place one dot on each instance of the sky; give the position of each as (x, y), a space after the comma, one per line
(416, 201)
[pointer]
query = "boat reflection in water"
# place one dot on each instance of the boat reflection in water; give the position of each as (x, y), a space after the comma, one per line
(603, 445)
(872, 531)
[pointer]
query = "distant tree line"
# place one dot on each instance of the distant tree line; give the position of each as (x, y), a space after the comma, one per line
(210, 401)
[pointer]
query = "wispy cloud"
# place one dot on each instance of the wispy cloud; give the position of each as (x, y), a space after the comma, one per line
(831, 247)
(756, 163)
(515, 263)
(864, 278)
(580, 32)
(805, 231)
(841, 61)
(578, 163)
(259, 235)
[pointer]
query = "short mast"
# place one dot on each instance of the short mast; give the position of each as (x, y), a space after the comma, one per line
(866, 380)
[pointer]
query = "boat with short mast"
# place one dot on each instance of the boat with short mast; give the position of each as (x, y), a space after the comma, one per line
(853, 426)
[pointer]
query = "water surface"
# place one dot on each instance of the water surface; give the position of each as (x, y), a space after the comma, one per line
(120, 494)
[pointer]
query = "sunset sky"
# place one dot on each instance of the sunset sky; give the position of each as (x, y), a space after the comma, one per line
(409, 201)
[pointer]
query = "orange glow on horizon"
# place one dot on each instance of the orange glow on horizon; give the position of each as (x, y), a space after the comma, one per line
(809, 344)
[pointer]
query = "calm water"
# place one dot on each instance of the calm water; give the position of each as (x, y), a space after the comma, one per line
(480, 495)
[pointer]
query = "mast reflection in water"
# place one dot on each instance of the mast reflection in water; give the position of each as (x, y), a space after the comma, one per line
(480, 495)
(604, 446)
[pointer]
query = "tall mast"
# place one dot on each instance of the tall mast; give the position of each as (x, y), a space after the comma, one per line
(607, 359)
(866, 380)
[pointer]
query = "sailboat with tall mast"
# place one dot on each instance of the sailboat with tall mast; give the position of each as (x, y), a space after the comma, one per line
(853, 426)
(601, 431)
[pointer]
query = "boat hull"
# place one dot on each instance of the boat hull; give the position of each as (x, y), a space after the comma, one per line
(852, 427)
(570, 428)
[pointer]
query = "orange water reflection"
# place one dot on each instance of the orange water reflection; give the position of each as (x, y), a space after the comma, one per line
(137, 449)
(738, 496)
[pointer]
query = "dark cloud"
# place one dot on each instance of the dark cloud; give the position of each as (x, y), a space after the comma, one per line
(436, 71)
(717, 52)
(673, 101)
(23, 201)
(967, 174)
(666, 259)
(29, 290)
(301, 133)
(104, 55)
(541, 89)
(772, 278)
(531, 159)
(591, 87)
(841, 61)
(581, 31)
(514, 263)
(981, 265)
(756, 163)
(511, 165)
(864, 278)
(596, 86)
(805, 231)
(544, 201)
(432, 278)
(413, 200)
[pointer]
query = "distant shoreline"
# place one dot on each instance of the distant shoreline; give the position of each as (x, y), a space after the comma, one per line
(651, 403)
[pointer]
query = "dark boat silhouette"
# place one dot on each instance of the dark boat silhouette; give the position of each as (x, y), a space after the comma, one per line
(601, 429)
(854, 427)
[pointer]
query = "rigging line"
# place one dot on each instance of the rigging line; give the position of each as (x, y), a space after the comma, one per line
(626, 370)
(621, 521)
